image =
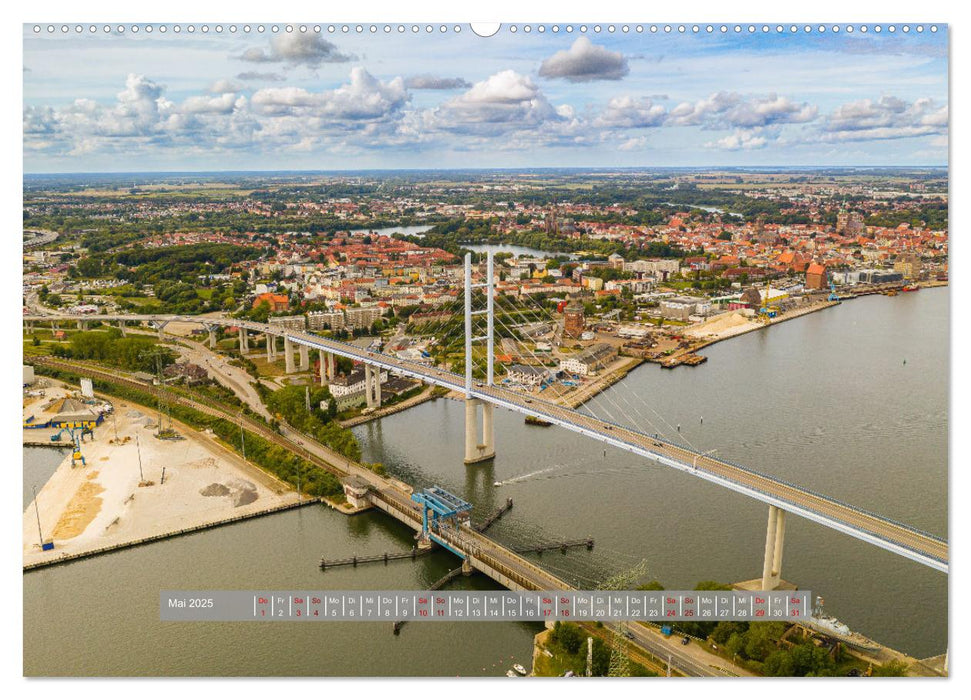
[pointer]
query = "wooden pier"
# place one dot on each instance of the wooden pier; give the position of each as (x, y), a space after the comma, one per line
(689, 359)
(488, 522)
(374, 558)
(453, 574)
(562, 546)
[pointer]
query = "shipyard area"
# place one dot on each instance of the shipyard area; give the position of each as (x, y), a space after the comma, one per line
(123, 481)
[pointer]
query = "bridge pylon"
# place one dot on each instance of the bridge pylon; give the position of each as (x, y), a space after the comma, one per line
(774, 541)
(477, 450)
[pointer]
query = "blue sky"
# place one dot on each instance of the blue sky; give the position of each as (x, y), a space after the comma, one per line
(110, 102)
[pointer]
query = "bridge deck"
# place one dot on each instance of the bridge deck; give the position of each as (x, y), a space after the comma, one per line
(896, 537)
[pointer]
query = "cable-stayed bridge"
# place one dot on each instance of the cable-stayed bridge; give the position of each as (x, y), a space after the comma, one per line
(482, 396)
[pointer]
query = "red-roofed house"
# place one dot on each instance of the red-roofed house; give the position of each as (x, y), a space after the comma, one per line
(277, 302)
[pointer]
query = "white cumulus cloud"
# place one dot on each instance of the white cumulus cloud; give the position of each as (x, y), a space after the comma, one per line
(585, 61)
(726, 110)
(297, 49)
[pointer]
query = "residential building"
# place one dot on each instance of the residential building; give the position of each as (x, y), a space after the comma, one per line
(362, 317)
(287, 323)
(346, 384)
(277, 302)
(323, 320)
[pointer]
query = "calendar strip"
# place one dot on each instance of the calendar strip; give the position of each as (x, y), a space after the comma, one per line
(478, 606)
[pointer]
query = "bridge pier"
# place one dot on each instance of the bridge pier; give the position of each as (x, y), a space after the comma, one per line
(212, 337)
(122, 326)
(304, 358)
(243, 341)
(161, 329)
(328, 367)
(288, 355)
(774, 542)
(476, 451)
(270, 348)
(372, 386)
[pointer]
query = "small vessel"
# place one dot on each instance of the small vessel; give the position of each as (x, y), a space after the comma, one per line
(511, 674)
(833, 628)
(518, 668)
(910, 287)
(497, 484)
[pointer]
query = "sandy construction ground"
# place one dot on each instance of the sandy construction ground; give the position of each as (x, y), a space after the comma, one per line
(723, 326)
(102, 503)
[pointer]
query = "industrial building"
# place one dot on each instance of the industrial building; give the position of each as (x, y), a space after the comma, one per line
(594, 358)
(528, 375)
(573, 321)
(681, 307)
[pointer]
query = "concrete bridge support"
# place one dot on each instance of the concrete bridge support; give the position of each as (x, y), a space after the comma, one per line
(774, 541)
(288, 355)
(161, 329)
(212, 337)
(304, 358)
(270, 348)
(372, 386)
(328, 367)
(243, 341)
(476, 451)
(123, 327)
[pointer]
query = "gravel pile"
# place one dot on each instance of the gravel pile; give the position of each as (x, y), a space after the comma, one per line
(215, 490)
(244, 492)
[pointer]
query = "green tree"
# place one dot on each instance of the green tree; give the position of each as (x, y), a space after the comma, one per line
(892, 668)
(779, 663)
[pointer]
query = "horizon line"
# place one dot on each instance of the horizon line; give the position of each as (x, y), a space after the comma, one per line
(491, 169)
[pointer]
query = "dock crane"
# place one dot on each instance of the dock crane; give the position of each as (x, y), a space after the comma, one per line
(77, 436)
(833, 296)
(767, 312)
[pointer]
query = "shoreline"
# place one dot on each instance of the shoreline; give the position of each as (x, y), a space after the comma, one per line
(106, 505)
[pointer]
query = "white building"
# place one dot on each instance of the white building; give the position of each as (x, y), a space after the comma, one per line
(594, 358)
(527, 375)
(352, 383)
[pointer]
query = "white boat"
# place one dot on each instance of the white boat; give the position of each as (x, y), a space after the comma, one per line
(511, 674)
(497, 484)
(518, 668)
(833, 628)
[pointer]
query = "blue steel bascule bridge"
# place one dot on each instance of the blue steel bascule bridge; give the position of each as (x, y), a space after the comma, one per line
(441, 513)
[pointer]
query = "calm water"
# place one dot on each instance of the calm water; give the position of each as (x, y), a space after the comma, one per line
(100, 616)
(826, 401)
(39, 464)
(417, 231)
(517, 250)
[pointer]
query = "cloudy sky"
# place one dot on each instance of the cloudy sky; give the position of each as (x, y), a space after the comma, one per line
(137, 102)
